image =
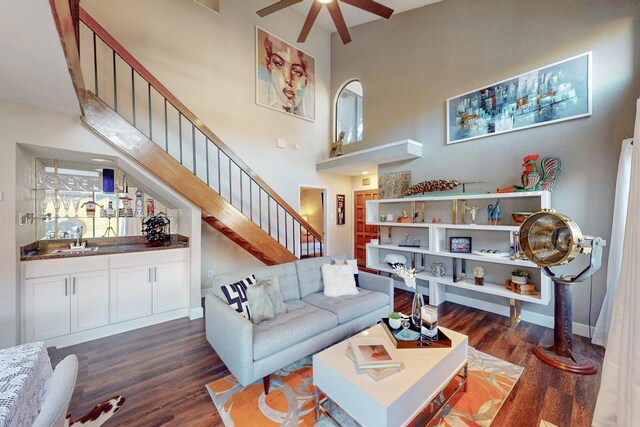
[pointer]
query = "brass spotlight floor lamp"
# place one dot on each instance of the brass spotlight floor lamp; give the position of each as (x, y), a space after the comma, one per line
(548, 239)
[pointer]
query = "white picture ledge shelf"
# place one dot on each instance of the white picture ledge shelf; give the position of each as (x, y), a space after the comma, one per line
(353, 164)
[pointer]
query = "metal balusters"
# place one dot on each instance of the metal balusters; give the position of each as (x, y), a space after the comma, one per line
(115, 83)
(206, 156)
(193, 144)
(219, 175)
(166, 128)
(241, 194)
(230, 183)
(150, 120)
(133, 96)
(95, 63)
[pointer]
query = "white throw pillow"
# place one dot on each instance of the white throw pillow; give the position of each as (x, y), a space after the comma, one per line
(338, 280)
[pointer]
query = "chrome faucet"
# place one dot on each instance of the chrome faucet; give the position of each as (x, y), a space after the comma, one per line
(77, 245)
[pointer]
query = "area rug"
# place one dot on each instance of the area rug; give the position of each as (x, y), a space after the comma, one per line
(291, 399)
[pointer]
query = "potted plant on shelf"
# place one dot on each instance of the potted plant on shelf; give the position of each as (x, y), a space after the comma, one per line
(520, 277)
(395, 320)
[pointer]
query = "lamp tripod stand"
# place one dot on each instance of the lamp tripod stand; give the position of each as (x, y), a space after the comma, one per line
(561, 355)
(549, 239)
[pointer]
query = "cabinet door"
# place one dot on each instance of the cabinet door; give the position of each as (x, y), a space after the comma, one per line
(47, 305)
(130, 293)
(170, 286)
(89, 300)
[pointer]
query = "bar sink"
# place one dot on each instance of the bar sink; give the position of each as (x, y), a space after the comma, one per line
(75, 250)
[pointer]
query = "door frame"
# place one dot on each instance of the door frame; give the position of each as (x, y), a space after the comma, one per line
(353, 218)
(325, 222)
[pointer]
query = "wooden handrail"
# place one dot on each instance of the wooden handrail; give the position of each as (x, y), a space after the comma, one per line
(173, 100)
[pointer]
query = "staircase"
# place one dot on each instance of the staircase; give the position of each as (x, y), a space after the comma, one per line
(131, 110)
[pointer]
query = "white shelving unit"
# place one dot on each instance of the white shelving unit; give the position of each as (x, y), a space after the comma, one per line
(434, 242)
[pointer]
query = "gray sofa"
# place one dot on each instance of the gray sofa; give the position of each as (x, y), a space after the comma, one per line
(312, 321)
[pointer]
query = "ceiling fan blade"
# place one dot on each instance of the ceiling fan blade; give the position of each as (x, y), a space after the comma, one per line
(338, 19)
(276, 7)
(308, 23)
(371, 6)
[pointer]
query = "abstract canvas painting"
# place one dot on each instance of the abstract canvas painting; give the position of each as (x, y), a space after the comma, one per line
(285, 77)
(551, 94)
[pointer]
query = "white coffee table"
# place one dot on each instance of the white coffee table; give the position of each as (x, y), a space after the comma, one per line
(397, 399)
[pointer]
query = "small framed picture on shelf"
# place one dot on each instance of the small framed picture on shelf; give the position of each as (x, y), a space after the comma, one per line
(460, 245)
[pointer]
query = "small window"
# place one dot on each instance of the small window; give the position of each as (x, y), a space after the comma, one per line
(349, 112)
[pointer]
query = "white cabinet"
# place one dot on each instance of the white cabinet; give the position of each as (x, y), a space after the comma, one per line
(169, 292)
(147, 283)
(62, 297)
(48, 307)
(71, 300)
(435, 237)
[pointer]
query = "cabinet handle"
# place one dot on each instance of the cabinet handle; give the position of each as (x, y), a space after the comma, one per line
(149, 274)
(155, 274)
(66, 287)
(73, 289)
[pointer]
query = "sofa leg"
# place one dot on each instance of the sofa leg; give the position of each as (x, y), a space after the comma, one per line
(265, 382)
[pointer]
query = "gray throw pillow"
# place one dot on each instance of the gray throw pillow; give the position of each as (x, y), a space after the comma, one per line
(265, 300)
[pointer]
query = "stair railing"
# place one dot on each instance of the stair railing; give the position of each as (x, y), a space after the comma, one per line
(129, 88)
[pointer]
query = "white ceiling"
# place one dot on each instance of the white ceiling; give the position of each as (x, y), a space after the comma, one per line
(354, 16)
(33, 68)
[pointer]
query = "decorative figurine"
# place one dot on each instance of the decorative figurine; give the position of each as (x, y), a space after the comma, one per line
(531, 179)
(336, 147)
(473, 211)
(478, 274)
(151, 208)
(139, 212)
(494, 213)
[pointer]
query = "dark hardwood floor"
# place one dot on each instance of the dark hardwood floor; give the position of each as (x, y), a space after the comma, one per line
(162, 371)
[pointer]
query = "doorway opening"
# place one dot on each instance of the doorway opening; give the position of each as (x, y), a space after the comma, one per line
(313, 210)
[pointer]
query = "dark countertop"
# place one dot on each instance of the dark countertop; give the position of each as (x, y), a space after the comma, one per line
(44, 249)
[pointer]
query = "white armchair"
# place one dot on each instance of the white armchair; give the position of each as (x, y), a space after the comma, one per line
(58, 395)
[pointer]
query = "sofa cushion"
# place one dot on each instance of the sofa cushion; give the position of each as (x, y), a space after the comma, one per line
(287, 279)
(310, 275)
(265, 301)
(286, 274)
(301, 322)
(349, 307)
(338, 280)
(236, 295)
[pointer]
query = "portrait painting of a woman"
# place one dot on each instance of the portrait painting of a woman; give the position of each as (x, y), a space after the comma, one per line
(285, 76)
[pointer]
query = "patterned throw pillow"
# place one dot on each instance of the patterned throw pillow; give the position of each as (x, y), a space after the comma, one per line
(236, 294)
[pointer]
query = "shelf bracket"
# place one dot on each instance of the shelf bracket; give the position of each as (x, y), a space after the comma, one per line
(515, 306)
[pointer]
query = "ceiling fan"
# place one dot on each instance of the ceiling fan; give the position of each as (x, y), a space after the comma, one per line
(334, 10)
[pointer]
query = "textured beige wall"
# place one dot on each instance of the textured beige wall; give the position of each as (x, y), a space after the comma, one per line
(411, 64)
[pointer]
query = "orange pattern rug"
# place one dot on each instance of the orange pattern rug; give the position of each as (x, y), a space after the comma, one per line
(291, 400)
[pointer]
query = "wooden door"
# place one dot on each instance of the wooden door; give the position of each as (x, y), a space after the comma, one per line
(362, 233)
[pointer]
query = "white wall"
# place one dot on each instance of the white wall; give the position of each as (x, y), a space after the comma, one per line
(25, 129)
(208, 61)
(411, 64)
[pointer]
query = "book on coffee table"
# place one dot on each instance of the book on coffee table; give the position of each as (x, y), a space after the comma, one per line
(373, 352)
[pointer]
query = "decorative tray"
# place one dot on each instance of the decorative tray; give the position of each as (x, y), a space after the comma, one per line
(398, 339)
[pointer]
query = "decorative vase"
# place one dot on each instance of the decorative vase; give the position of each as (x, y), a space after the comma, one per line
(395, 323)
(519, 280)
(416, 306)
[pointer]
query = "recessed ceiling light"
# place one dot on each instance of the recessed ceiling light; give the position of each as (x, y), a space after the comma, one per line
(365, 172)
(101, 160)
(325, 1)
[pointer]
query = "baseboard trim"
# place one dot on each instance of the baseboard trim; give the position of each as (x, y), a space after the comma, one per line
(503, 310)
(196, 313)
(116, 328)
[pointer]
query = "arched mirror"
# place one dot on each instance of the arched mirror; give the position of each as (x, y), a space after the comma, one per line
(349, 112)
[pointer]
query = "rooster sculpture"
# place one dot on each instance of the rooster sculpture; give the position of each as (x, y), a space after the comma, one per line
(532, 178)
